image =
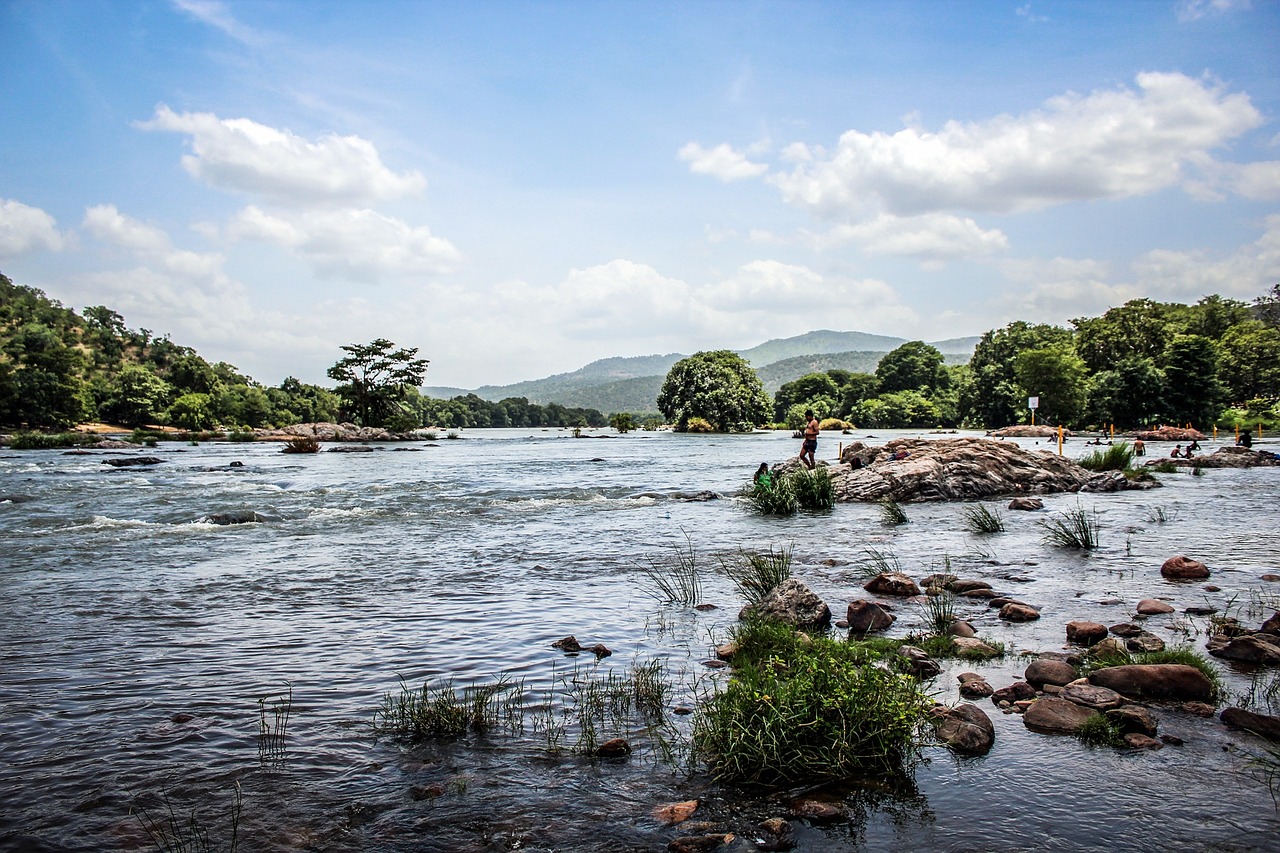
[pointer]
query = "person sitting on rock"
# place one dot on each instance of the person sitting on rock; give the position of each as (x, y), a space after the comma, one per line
(1186, 454)
(1245, 440)
(1177, 451)
(1194, 445)
(764, 477)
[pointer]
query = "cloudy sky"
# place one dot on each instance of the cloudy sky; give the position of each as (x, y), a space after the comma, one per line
(519, 188)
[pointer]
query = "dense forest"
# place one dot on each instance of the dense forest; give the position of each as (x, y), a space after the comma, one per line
(1145, 362)
(59, 368)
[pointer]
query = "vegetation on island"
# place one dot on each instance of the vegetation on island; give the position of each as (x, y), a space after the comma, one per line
(717, 387)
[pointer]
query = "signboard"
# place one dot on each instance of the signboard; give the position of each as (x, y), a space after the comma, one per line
(1033, 403)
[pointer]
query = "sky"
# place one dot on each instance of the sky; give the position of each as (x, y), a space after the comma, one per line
(517, 188)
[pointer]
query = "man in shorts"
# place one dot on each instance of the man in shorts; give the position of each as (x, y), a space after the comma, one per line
(810, 445)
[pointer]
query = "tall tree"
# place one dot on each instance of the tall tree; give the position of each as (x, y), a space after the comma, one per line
(800, 391)
(1193, 393)
(914, 366)
(1139, 328)
(1058, 377)
(994, 397)
(718, 386)
(374, 377)
(1251, 362)
(1130, 395)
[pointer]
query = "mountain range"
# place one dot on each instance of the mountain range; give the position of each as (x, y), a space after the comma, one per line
(631, 384)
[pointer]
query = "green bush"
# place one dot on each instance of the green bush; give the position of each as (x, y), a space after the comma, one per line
(47, 441)
(755, 575)
(777, 498)
(813, 488)
(805, 711)
(1117, 457)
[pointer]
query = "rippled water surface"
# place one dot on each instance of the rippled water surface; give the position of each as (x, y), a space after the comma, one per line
(139, 642)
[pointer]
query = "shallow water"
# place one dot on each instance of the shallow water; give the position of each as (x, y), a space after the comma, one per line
(464, 559)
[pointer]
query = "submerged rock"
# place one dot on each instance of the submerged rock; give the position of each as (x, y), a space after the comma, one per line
(966, 728)
(892, 583)
(1134, 718)
(236, 516)
(867, 616)
(1252, 648)
(1085, 633)
(793, 603)
(132, 461)
(776, 833)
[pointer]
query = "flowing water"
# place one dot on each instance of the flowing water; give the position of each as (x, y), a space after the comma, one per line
(142, 648)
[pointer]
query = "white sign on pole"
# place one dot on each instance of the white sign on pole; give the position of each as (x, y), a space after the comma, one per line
(1033, 402)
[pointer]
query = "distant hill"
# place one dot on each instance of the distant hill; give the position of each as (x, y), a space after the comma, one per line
(631, 384)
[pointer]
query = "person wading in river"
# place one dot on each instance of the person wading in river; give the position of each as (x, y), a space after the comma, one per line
(810, 445)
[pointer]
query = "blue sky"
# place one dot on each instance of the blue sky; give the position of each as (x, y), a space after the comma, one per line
(519, 188)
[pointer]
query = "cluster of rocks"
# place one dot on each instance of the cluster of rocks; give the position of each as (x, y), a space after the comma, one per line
(325, 431)
(1232, 641)
(1170, 433)
(1028, 431)
(1223, 457)
(917, 469)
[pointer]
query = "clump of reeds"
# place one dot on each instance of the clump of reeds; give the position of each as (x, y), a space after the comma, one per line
(241, 435)
(875, 562)
(1072, 529)
(940, 612)
(755, 574)
(1117, 457)
(813, 488)
(171, 833)
(675, 580)
(442, 711)
(1100, 730)
(804, 711)
(979, 518)
(272, 733)
(777, 498)
(301, 444)
(891, 513)
(1163, 467)
(1160, 515)
(47, 441)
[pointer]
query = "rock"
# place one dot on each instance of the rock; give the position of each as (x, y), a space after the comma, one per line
(699, 843)
(937, 580)
(600, 650)
(918, 469)
(16, 499)
(132, 461)
(776, 833)
(1144, 641)
(973, 647)
(1155, 681)
(1153, 607)
(1015, 692)
(568, 644)
(1172, 740)
(1016, 611)
(1086, 633)
(1092, 696)
(922, 666)
(976, 688)
(1028, 431)
(1026, 504)
(892, 583)
(1108, 648)
(961, 628)
(1137, 740)
(1170, 433)
(427, 792)
(1133, 718)
(867, 616)
(726, 651)
(1199, 709)
(243, 516)
(960, 587)
(1271, 576)
(1272, 625)
(181, 717)
(793, 603)
(1200, 610)
(966, 728)
(1053, 715)
(1126, 629)
(981, 593)
(613, 748)
(1262, 725)
(673, 813)
(820, 808)
(1252, 648)
(1041, 672)
(1184, 568)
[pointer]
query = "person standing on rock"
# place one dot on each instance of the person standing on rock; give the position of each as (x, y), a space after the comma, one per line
(810, 446)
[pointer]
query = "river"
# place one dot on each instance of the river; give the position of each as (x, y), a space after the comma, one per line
(139, 644)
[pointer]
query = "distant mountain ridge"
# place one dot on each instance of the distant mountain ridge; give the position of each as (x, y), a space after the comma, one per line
(631, 384)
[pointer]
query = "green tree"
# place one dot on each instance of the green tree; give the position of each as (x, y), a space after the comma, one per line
(801, 391)
(1131, 395)
(1139, 328)
(719, 386)
(897, 410)
(855, 389)
(622, 422)
(914, 366)
(138, 397)
(1266, 308)
(192, 411)
(1251, 362)
(374, 377)
(1193, 392)
(994, 397)
(1213, 315)
(1058, 377)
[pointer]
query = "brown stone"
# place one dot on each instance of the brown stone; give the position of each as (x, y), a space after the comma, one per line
(1252, 648)
(776, 833)
(1184, 568)
(1155, 681)
(820, 808)
(699, 843)
(1026, 504)
(1126, 629)
(1085, 633)
(976, 688)
(1014, 692)
(966, 728)
(726, 651)
(673, 813)
(973, 647)
(1144, 641)
(1092, 696)
(613, 748)
(1054, 715)
(1134, 718)
(1016, 611)
(1110, 647)
(1137, 740)
(867, 616)
(1272, 625)
(960, 586)
(1153, 607)
(1047, 671)
(1262, 725)
(892, 583)
(961, 628)
(568, 644)
(793, 603)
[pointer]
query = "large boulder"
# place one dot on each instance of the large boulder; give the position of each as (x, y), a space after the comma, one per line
(1262, 725)
(916, 469)
(1153, 607)
(1048, 671)
(1182, 568)
(1252, 648)
(867, 616)
(1092, 696)
(1085, 633)
(1016, 611)
(892, 583)
(1016, 692)
(1155, 681)
(1055, 716)
(793, 603)
(966, 728)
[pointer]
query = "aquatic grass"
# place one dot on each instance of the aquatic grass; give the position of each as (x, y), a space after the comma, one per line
(875, 562)
(892, 514)
(804, 712)
(1197, 470)
(1160, 515)
(442, 711)
(981, 519)
(171, 833)
(755, 574)
(1263, 694)
(302, 444)
(676, 580)
(813, 489)
(48, 441)
(272, 734)
(1117, 457)
(940, 612)
(1072, 529)
(1163, 467)
(1100, 730)
(777, 498)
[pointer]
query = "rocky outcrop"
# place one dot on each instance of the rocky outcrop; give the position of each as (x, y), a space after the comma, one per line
(965, 728)
(1028, 431)
(1223, 457)
(1261, 649)
(915, 469)
(1263, 725)
(324, 431)
(132, 461)
(793, 603)
(1168, 433)
(237, 516)
(1155, 681)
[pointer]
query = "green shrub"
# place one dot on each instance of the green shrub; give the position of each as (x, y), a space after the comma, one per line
(805, 712)
(981, 519)
(813, 489)
(1099, 729)
(891, 513)
(239, 435)
(48, 441)
(777, 498)
(696, 424)
(1073, 529)
(1117, 457)
(756, 574)
(442, 711)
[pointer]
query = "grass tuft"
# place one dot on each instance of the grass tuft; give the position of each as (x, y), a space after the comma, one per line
(1117, 457)
(813, 489)
(756, 574)
(979, 518)
(171, 833)
(1099, 730)
(892, 514)
(675, 581)
(1073, 529)
(442, 711)
(777, 498)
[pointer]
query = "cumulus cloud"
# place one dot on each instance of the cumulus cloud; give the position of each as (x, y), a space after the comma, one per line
(931, 237)
(25, 229)
(109, 225)
(244, 156)
(360, 244)
(720, 162)
(1106, 145)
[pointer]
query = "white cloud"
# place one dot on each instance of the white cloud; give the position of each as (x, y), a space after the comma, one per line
(217, 15)
(109, 225)
(721, 162)
(933, 236)
(358, 244)
(1109, 144)
(1194, 10)
(1255, 180)
(24, 229)
(244, 156)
